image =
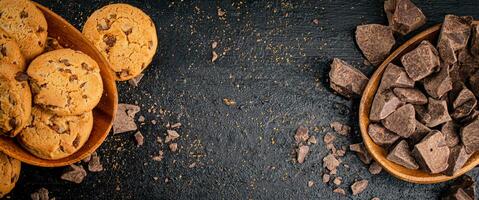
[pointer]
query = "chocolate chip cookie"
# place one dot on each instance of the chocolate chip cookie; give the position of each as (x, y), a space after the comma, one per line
(65, 81)
(10, 51)
(15, 100)
(9, 173)
(125, 35)
(24, 22)
(52, 137)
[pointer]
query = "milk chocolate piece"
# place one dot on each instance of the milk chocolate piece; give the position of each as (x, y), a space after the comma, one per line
(463, 188)
(470, 136)
(345, 79)
(475, 40)
(401, 155)
(403, 16)
(471, 117)
(402, 121)
(384, 104)
(361, 152)
(457, 159)
(375, 41)
(432, 153)
(395, 76)
(454, 35)
(438, 84)
(422, 114)
(450, 131)
(464, 104)
(469, 64)
(382, 136)
(421, 61)
(410, 95)
(437, 110)
(474, 83)
(419, 134)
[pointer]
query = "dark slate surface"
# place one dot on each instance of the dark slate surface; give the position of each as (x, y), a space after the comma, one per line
(275, 67)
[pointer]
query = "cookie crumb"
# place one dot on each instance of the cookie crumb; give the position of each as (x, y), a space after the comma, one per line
(139, 138)
(75, 175)
(359, 186)
(95, 165)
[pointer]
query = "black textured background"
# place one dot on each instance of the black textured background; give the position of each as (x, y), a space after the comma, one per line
(275, 67)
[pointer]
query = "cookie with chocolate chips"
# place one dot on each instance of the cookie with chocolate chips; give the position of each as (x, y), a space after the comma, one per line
(65, 81)
(10, 51)
(50, 136)
(125, 35)
(9, 173)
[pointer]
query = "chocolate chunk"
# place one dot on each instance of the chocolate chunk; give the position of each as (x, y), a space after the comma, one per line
(421, 61)
(464, 104)
(419, 134)
(454, 35)
(375, 168)
(438, 84)
(375, 41)
(381, 136)
(94, 165)
(468, 64)
(75, 175)
(173, 147)
(403, 16)
(437, 110)
(474, 83)
(475, 40)
(359, 186)
(432, 152)
(331, 163)
(40, 194)
(401, 155)
(340, 128)
(109, 40)
(402, 121)
(410, 95)
(340, 191)
(361, 152)
(301, 135)
(345, 79)
(450, 131)
(139, 138)
(470, 136)
(384, 104)
(302, 152)
(457, 159)
(124, 120)
(328, 138)
(395, 76)
(463, 188)
(471, 117)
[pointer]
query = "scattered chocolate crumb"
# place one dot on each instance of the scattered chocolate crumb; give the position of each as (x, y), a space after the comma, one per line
(214, 56)
(302, 134)
(40, 194)
(75, 175)
(176, 125)
(340, 128)
(172, 135)
(221, 13)
(173, 147)
(310, 183)
(316, 22)
(326, 178)
(94, 165)
(192, 165)
(312, 140)
(229, 102)
(340, 191)
(214, 45)
(302, 152)
(359, 186)
(159, 157)
(136, 80)
(331, 163)
(328, 138)
(338, 181)
(361, 152)
(375, 168)
(139, 138)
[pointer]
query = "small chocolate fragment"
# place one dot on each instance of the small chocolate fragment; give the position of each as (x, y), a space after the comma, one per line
(359, 186)
(375, 41)
(75, 175)
(94, 165)
(375, 168)
(395, 76)
(432, 153)
(301, 135)
(419, 134)
(139, 138)
(40, 194)
(345, 79)
(124, 120)
(403, 16)
(172, 135)
(474, 83)
(340, 128)
(381, 136)
(470, 136)
(450, 131)
(457, 159)
(384, 104)
(401, 155)
(331, 163)
(475, 40)
(466, 120)
(454, 35)
(438, 84)
(361, 152)
(421, 61)
(437, 110)
(136, 80)
(302, 152)
(410, 95)
(469, 64)
(402, 121)
(463, 188)
(464, 104)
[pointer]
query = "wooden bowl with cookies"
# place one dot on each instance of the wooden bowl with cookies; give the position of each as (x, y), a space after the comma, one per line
(92, 114)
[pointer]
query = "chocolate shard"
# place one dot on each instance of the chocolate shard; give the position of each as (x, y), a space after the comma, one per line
(464, 104)
(421, 61)
(470, 136)
(410, 95)
(402, 121)
(375, 41)
(457, 159)
(474, 83)
(432, 153)
(346, 80)
(437, 110)
(450, 131)
(381, 136)
(361, 151)
(455, 33)
(463, 188)
(438, 83)
(403, 16)
(475, 40)
(401, 155)
(384, 104)
(471, 117)
(469, 64)
(395, 76)
(419, 134)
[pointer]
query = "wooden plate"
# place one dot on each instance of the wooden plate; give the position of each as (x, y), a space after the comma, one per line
(377, 152)
(104, 112)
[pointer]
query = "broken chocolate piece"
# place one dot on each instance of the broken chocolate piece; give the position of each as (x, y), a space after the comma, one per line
(395, 76)
(463, 188)
(301, 135)
(402, 121)
(75, 175)
(359, 186)
(139, 138)
(454, 35)
(346, 80)
(475, 40)
(450, 131)
(410, 95)
(403, 16)
(331, 163)
(474, 83)
(401, 155)
(172, 135)
(173, 147)
(464, 104)
(124, 120)
(437, 110)
(457, 158)
(470, 136)
(375, 41)
(375, 168)
(41, 194)
(438, 84)
(94, 165)
(361, 152)
(340, 191)
(136, 80)
(381, 136)
(302, 152)
(384, 104)
(432, 152)
(340, 128)
(328, 138)
(419, 134)
(421, 61)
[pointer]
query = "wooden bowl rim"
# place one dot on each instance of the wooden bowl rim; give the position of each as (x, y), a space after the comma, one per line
(368, 97)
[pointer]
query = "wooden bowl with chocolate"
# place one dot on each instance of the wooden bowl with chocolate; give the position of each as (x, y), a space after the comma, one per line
(418, 113)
